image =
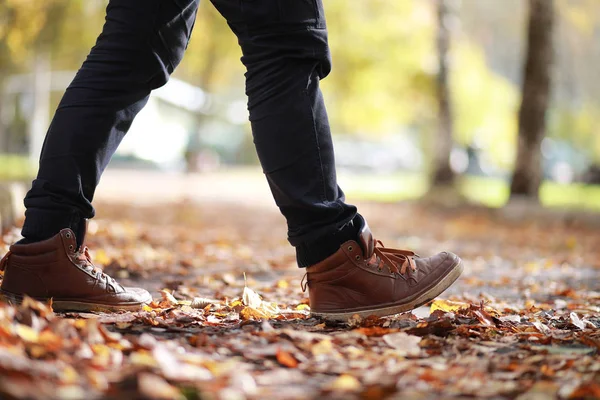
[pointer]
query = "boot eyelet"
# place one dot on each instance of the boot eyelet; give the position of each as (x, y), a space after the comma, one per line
(357, 257)
(70, 247)
(68, 235)
(350, 248)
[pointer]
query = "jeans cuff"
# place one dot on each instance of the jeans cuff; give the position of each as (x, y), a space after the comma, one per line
(43, 224)
(311, 253)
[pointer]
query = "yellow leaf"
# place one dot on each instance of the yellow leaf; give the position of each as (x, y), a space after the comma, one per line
(447, 305)
(531, 267)
(302, 307)
(101, 350)
(142, 358)
(346, 383)
(101, 257)
(323, 347)
(80, 323)
(283, 284)
(37, 351)
(69, 375)
(146, 307)
(51, 340)
(236, 303)
(26, 333)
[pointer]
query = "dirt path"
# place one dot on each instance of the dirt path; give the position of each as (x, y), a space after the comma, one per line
(523, 321)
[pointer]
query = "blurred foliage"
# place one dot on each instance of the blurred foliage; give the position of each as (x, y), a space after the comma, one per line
(212, 60)
(15, 167)
(29, 25)
(384, 64)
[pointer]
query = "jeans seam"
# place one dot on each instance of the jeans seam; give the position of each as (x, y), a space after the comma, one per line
(316, 140)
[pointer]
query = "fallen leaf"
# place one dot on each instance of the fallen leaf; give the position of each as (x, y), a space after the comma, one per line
(250, 298)
(345, 383)
(200, 302)
(542, 328)
(26, 333)
(251, 313)
(447, 305)
(576, 321)
(168, 298)
(323, 347)
(404, 344)
(154, 387)
(286, 359)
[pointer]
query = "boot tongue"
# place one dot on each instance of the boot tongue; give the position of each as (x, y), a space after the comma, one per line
(365, 238)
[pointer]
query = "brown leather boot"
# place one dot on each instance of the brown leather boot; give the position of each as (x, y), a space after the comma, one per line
(56, 269)
(366, 278)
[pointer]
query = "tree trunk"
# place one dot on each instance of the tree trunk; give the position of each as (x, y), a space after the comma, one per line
(442, 172)
(527, 175)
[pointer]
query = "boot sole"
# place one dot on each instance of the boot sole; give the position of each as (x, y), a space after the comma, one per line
(73, 305)
(398, 308)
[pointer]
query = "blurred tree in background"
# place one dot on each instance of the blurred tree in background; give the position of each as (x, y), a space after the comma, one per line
(527, 175)
(384, 83)
(443, 174)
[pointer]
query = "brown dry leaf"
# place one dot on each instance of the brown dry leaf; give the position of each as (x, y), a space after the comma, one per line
(587, 390)
(168, 299)
(546, 335)
(483, 316)
(286, 359)
(201, 302)
(251, 313)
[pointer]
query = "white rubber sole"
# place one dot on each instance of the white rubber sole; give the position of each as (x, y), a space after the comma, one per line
(397, 308)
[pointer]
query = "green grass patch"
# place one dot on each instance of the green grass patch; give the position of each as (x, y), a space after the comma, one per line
(15, 167)
(492, 192)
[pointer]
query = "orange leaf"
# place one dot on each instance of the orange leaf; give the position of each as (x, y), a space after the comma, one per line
(286, 359)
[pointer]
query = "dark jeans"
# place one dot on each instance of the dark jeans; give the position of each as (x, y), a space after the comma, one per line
(285, 51)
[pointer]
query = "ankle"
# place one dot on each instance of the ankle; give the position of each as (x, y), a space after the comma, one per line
(41, 225)
(311, 253)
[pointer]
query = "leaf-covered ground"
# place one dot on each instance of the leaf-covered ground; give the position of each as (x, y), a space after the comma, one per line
(229, 320)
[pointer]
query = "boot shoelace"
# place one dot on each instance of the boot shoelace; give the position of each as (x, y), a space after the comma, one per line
(84, 256)
(383, 256)
(392, 258)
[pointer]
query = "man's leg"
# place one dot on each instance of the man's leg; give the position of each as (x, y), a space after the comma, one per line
(140, 45)
(285, 51)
